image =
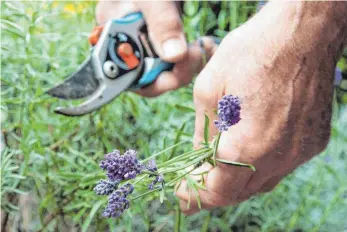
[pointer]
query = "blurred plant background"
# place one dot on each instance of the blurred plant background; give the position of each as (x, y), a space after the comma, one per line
(49, 163)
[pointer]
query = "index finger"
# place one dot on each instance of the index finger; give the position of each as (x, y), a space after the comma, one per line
(165, 29)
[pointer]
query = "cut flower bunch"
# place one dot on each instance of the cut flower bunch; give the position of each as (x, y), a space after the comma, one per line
(126, 174)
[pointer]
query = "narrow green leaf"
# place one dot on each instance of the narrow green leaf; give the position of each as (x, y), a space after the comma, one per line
(162, 195)
(177, 186)
(201, 185)
(186, 109)
(16, 176)
(91, 215)
(206, 223)
(12, 206)
(234, 14)
(222, 20)
(144, 194)
(177, 219)
(206, 129)
(236, 164)
(165, 150)
(215, 148)
(10, 24)
(177, 139)
(193, 185)
(80, 213)
(47, 202)
(133, 105)
(15, 190)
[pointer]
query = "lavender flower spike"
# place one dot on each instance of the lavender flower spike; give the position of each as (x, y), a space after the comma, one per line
(152, 166)
(229, 108)
(158, 179)
(117, 201)
(121, 167)
(105, 187)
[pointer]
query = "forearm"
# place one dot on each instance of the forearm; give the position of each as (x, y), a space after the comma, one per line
(305, 31)
(311, 25)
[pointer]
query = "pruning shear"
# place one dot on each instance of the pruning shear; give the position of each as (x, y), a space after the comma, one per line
(122, 58)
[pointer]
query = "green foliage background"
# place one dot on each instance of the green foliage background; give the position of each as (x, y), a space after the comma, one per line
(53, 160)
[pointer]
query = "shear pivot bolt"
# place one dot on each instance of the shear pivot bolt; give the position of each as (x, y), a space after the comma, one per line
(110, 69)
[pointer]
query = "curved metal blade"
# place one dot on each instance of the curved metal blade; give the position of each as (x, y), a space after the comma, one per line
(107, 91)
(80, 84)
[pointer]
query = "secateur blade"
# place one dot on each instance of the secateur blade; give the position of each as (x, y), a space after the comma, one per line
(106, 92)
(80, 84)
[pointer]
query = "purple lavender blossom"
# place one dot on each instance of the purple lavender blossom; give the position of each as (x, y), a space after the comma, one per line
(105, 187)
(158, 179)
(228, 112)
(118, 202)
(152, 166)
(121, 167)
(222, 126)
(127, 189)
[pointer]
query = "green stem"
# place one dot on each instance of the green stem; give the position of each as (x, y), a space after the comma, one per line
(138, 180)
(165, 150)
(208, 154)
(178, 219)
(144, 194)
(149, 172)
(179, 177)
(178, 136)
(206, 223)
(216, 148)
(187, 154)
(199, 174)
(176, 158)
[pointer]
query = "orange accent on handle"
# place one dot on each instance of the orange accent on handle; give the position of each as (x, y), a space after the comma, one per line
(95, 35)
(126, 51)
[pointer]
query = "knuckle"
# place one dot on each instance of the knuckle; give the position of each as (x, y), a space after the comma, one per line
(324, 138)
(270, 184)
(268, 188)
(205, 91)
(170, 17)
(215, 200)
(173, 22)
(219, 195)
(170, 25)
(244, 196)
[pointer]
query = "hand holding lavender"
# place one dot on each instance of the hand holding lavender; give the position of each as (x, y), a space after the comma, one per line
(128, 172)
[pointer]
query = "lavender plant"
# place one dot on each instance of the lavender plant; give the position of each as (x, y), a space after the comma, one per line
(125, 172)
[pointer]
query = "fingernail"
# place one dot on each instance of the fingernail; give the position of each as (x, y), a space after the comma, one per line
(173, 47)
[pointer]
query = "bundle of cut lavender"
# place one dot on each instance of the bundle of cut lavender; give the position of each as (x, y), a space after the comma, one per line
(125, 173)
